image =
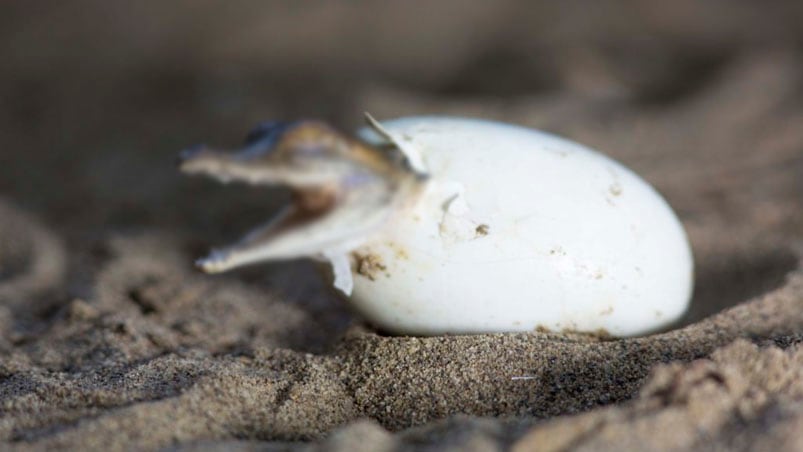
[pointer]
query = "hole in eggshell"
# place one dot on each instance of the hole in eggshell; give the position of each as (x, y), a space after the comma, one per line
(726, 279)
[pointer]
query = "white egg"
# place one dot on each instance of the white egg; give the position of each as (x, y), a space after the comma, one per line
(519, 230)
(477, 227)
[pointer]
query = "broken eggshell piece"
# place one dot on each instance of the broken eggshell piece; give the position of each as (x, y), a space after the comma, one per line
(440, 225)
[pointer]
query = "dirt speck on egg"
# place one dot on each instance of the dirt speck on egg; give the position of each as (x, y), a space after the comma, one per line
(607, 311)
(369, 265)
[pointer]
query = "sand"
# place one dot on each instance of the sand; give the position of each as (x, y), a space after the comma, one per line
(110, 340)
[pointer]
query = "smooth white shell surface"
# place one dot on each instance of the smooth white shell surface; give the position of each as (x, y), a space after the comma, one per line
(519, 230)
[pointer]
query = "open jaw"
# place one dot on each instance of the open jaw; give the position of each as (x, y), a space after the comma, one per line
(279, 238)
(343, 191)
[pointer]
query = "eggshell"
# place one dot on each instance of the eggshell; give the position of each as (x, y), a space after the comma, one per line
(519, 230)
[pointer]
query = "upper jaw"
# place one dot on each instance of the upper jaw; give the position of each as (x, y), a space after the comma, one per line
(227, 166)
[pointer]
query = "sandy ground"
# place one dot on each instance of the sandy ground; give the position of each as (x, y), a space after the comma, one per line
(109, 339)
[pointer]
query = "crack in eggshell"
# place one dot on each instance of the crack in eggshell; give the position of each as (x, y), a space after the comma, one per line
(455, 226)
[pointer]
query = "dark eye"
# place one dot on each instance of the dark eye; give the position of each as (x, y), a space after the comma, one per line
(266, 133)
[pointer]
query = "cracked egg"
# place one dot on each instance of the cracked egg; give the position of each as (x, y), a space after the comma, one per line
(442, 225)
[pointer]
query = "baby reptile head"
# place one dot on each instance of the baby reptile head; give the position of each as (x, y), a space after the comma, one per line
(303, 155)
(343, 189)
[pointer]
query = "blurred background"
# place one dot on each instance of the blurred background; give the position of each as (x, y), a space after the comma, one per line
(704, 99)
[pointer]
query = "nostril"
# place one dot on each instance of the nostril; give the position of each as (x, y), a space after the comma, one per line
(188, 155)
